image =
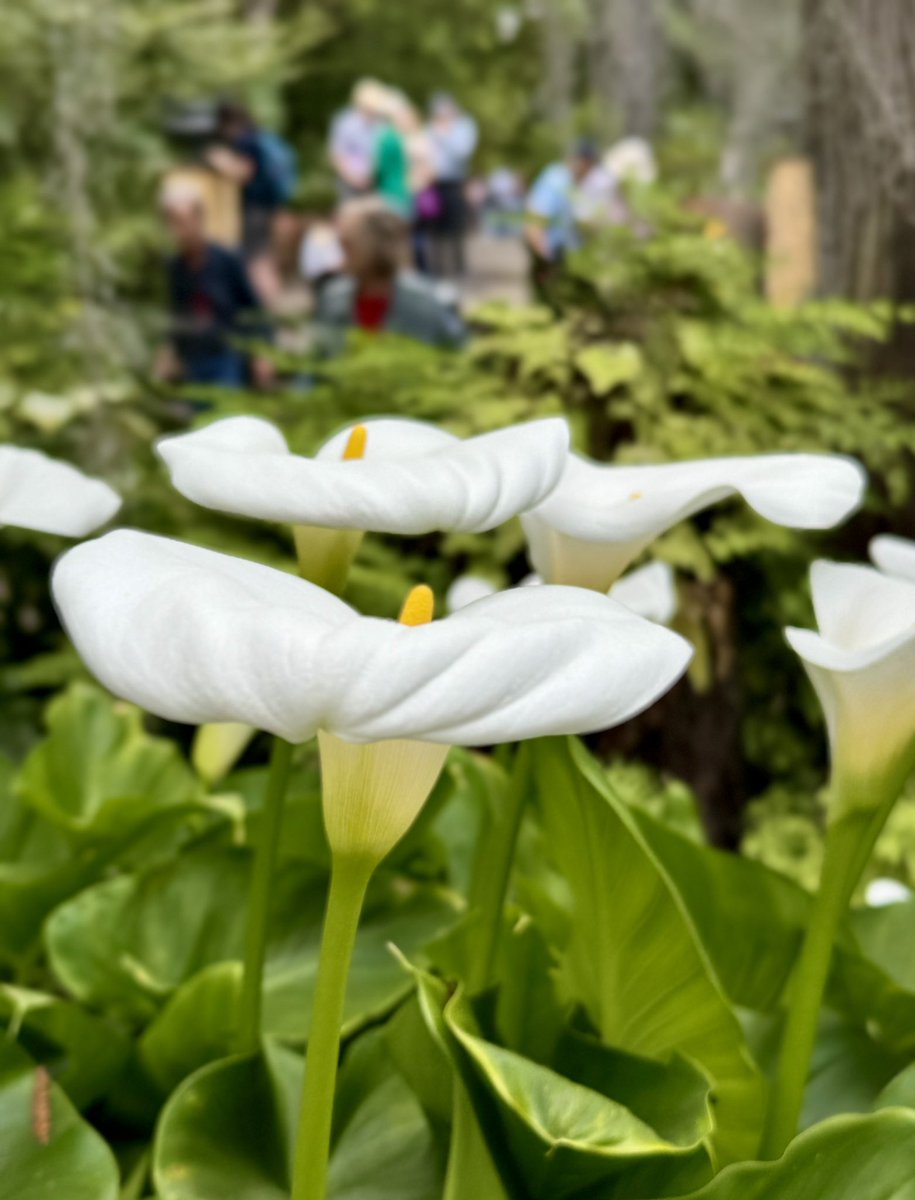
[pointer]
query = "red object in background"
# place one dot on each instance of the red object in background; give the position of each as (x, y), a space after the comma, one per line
(372, 310)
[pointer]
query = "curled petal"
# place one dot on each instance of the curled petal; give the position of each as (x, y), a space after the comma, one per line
(862, 665)
(520, 664)
(41, 493)
(649, 591)
(200, 637)
(894, 555)
(467, 589)
(416, 480)
(601, 517)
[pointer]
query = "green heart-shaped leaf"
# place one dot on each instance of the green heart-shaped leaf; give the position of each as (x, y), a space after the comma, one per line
(847, 1158)
(47, 1151)
(228, 1130)
(633, 957)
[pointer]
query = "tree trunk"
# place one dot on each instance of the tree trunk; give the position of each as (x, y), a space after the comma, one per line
(559, 51)
(860, 65)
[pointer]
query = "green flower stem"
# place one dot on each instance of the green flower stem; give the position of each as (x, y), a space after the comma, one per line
(849, 842)
(494, 883)
(348, 882)
(249, 1024)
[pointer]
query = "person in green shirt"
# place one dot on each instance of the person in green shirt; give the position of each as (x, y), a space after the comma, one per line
(392, 162)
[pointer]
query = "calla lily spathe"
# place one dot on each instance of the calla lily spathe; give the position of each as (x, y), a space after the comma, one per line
(49, 496)
(601, 517)
(410, 478)
(200, 637)
(862, 664)
(196, 636)
(648, 591)
(894, 555)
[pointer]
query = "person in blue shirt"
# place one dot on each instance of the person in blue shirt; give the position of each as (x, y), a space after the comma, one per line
(212, 303)
(551, 228)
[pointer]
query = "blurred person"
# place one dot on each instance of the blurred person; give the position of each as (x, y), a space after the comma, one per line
(212, 302)
(378, 292)
(453, 135)
(321, 257)
(503, 203)
(391, 163)
(353, 134)
(259, 165)
(551, 229)
(425, 205)
(596, 200)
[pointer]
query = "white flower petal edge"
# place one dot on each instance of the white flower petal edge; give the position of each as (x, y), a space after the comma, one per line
(200, 637)
(601, 517)
(413, 478)
(49, 496)
(894, 555)
(467, 589)
(862, 665)
(649, 591)
(880, 893)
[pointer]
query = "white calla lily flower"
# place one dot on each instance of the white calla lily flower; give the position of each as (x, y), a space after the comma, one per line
(601, 517)
(894, 555)
(406, 477)
(862, 665)
(648, 591)
(467, 589)
(49, 496)
(200, 637)
(881, 893)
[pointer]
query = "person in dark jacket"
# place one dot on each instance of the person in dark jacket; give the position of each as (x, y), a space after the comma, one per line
(377, 292)
(241, 156)
(212, 303)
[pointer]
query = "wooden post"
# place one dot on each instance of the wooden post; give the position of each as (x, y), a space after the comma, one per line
(791, 243)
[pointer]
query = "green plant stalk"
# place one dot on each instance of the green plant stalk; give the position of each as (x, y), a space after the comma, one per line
(249, 1013)
(849, 842)
(494, 885)
(348, 882)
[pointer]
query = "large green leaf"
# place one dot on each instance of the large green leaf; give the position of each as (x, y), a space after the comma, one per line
(198, 1022)
(126, 944)
(198, 1025)
(847, 1158)
(848, 1070)
(633, 957)
(887, 936)
(900, 1091)
(85, 1053)
(47, 1152)
(228, 1130)
(398, 914)
(568, 1140)
(473, 1170)
(749, 919)
(98, 772)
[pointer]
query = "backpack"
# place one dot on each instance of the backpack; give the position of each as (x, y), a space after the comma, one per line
(281, 165)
